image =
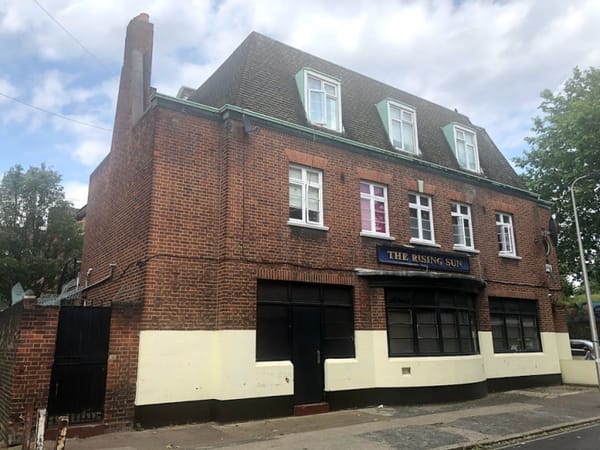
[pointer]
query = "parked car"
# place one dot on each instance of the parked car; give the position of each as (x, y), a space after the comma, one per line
(582, 348)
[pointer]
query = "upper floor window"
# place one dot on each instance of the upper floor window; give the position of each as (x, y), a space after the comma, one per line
(323, 101)
(462, 230)
(421, 220)
(466, 149)
(506, 235)
(306, 195)
(402, 127)
(373, 208)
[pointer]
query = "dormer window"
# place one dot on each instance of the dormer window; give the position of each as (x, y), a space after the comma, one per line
(400, 123)
(403, 127)
(321, 97)
(466, 149)
(463, 142)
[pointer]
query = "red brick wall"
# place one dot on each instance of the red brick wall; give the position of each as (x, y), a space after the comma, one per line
(193, 212)
(219, 217)
(27, 339)
(121, 370)
(9, 339)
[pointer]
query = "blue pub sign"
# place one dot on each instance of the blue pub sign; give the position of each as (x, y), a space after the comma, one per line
(426, 259)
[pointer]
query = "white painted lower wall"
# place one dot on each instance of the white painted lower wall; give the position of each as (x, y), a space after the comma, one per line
(176, 366)
(372, 367)
(503, 365)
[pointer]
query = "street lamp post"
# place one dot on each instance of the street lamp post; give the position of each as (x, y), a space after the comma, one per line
(586, 283)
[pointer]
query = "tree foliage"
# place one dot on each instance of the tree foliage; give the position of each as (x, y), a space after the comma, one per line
(565, 146)
(38, 230)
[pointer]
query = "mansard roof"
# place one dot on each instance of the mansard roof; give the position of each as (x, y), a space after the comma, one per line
(260, 76)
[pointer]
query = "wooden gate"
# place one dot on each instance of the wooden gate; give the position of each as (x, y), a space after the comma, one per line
(78, 380)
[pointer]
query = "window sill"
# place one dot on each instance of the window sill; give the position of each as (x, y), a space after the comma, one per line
(325, 127)
(308, 225)
(377, 236)
(460, 248)
(400, 149)
(425, 243)
(508, 256)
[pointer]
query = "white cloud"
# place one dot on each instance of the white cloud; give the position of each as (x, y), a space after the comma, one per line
(91, 152)
(76, 192)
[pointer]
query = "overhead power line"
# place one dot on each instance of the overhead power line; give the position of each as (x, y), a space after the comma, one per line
(54, 113)
(90, 53)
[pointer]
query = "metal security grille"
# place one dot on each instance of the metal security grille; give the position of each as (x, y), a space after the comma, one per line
(77, 384)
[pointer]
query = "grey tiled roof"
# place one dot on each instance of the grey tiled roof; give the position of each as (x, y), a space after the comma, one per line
(259, 76)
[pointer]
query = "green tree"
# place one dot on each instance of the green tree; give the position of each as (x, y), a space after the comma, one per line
(38, 230)
(566, 145)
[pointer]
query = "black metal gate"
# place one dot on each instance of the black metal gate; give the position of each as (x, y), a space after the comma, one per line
(78, 380)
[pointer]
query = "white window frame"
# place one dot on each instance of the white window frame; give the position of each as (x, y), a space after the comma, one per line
(325, 82)
(413, 114)
(420, 209)
(464, 161)
(372, 198)
(304, 184)
(506, 235)
(461, 218)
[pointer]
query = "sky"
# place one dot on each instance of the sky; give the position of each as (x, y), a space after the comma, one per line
(61, 59)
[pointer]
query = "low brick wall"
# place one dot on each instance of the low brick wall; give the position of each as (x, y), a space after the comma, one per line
(27, 340)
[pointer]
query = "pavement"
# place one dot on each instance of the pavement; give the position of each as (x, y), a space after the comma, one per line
(490, 422)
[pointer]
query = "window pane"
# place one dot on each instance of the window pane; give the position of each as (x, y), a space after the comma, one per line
(414, 227)
(272, 333)
(460, 153)
(365, 214)
(295, 202)
(409, 141)
(314, 83)
(378, 191)
(401, 346)
(426, 324)
(295, 173)
(365, 188)
(395, 113)
(332, 113)
(467, 233)
(412, 198)
(380, 217)
(317, 105)
(396, 134)
(313, 205)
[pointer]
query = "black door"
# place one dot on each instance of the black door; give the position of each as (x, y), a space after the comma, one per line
(308, 369)
(78, 380)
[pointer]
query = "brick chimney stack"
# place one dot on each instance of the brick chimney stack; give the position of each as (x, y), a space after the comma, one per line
(134, 87)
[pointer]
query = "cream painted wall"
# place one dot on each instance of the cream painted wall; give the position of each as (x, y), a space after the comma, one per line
(563, 346)
(501, 365)
(373, 368)
(579, 371)
(177, 366)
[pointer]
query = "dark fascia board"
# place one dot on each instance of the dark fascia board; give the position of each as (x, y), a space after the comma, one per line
(236, 112)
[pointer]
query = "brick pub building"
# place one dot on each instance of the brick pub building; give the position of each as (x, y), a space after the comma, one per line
(294, 233)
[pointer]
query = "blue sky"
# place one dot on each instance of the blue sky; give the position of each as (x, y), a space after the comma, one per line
(488, 59)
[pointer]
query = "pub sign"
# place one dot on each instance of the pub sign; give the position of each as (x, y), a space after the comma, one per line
(426, 259)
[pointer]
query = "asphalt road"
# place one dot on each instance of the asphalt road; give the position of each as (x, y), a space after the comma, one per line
(580, 439)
